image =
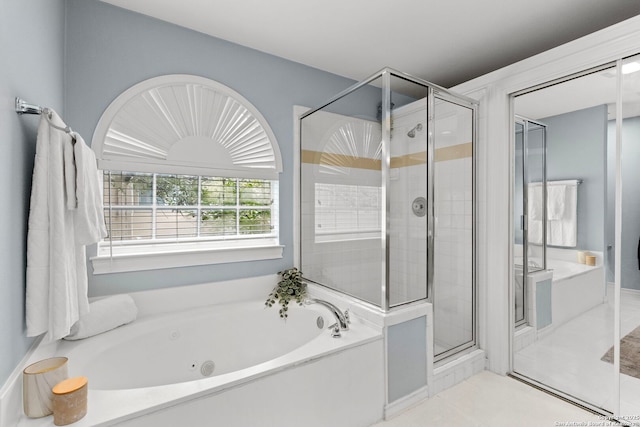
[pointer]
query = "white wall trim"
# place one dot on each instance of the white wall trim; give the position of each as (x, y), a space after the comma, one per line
(173, 259)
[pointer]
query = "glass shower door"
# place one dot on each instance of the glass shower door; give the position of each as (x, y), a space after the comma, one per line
(519, 224)
(452, 187)
(536, 195)
(529, 208)
(341, 195)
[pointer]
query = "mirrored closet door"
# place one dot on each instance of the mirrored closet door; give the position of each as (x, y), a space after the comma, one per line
(564, 312)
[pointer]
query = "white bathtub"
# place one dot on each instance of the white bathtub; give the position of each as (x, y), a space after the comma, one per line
(180, 347)
(576, 288)
(268, 372)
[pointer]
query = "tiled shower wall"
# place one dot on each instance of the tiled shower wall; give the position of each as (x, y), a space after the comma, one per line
(408, 235)
(408, 182)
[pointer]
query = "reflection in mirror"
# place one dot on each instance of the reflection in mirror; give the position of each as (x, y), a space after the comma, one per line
(629, 263)
(530, 207)
(564, 321)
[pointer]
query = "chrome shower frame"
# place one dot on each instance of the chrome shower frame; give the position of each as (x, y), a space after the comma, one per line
(434, 92)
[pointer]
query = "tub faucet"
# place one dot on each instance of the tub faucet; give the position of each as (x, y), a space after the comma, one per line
(342, 319)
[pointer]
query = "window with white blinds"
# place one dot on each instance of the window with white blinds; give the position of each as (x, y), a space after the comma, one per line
(346, 212)
(202, 182)
(151, 208)
(150, 213)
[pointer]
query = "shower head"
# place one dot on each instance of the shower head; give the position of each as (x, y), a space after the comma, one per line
(412, 132)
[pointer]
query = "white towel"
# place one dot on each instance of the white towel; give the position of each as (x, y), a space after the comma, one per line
(56, 295)
(534, 201)
(56, 266)
(90, 227)
(564, 231)
(534, 232)
(104, 314)
(556, 196)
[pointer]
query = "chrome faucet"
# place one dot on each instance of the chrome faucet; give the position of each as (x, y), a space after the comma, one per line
(342, 319)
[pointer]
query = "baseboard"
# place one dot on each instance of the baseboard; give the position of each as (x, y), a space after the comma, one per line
(541, 333)
(400, 405)
(635, 292)
(11, 391)
(455, 371)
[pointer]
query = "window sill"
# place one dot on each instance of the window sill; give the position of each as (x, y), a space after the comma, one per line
(120, 263)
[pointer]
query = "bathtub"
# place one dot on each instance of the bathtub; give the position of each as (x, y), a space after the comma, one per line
(576, 288)
(228, 364)
(565, 290)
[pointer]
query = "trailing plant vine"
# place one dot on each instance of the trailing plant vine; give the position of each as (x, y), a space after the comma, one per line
(290, 287)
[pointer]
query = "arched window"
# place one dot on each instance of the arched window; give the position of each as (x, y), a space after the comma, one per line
(190, 177)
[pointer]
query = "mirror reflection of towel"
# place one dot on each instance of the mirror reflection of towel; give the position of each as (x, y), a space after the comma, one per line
(564, 231)
(534, 201)
(556, 196)
(562, 219)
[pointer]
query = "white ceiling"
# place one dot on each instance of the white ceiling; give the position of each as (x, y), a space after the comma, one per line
(445, 42)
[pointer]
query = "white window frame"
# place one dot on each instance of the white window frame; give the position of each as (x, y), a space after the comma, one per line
(185, 252)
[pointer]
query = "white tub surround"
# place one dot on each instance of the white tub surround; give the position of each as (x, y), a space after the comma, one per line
(570, 280)
(408, 346)
(409, 370)
(538, 300)
(562, 292)
(153, 371)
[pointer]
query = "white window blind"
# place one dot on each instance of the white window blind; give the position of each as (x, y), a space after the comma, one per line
(202, 186)
(149, 208)
(347, 211)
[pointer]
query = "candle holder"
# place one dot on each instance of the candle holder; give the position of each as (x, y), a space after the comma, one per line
(38, 380)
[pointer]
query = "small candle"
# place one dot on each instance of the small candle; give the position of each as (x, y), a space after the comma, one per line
(582, 257)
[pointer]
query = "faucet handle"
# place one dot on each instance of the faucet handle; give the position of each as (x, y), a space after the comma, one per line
(347, 316)
(335, 330)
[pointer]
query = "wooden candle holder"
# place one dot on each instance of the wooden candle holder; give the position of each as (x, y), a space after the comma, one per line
(70, 400)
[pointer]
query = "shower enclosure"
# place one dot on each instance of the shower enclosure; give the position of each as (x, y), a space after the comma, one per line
(387, 199)
(529, 207)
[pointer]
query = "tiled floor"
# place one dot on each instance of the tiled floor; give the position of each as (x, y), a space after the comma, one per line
(568, 359)
(488, 399)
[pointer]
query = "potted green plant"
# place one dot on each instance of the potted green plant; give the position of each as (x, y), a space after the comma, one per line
(290, 287)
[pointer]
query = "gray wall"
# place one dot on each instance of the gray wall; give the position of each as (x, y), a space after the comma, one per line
(32, 52)
(630, 202)
(576, 148)
(406, 357)
(110, 49)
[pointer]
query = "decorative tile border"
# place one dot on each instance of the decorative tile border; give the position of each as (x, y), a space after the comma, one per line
(453, 152)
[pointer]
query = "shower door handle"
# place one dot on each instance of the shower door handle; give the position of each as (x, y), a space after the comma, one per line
(523, 222)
